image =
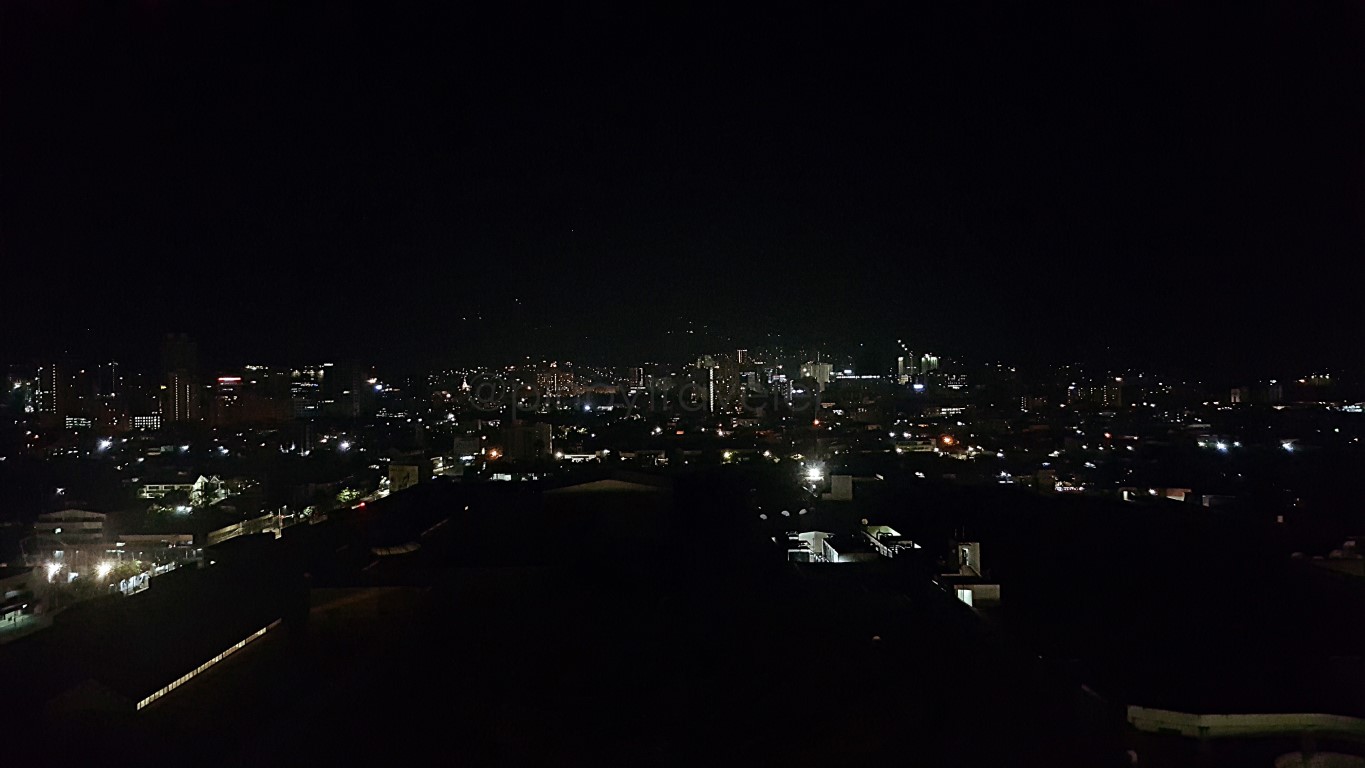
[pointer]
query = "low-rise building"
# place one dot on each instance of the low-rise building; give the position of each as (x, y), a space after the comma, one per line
(887, 541)
(158, 548)
(16, 592)
(848, 549)
(159, 490)
(970, 582)
(71, 526)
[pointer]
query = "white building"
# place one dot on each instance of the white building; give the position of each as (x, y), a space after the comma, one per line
(203, 491)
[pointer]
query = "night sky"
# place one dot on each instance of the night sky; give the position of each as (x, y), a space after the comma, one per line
(1157, 182)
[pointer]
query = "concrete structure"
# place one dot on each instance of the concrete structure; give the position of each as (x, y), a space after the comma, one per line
(1106, 395)
(805, 547)
(977, 594)
(823, 373)
(848, 549)
(969, 558)
(840, 488)
(404, 476)
(16, 592)
(466, 447)
(158, 490)
(65, 544)
(617, 518)
(1139, 494)
(205, 488)
(554, 380)
(52, 395)
(154, 547)
(887, 540)
(970, 582)
(268, 523)
(652, 457)
(180, 382)
(147, 421)
(527, 442)
(71, 526)
(904, 370)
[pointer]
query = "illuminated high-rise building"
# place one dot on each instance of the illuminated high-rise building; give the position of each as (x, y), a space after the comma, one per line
(179, 373)
(1107, 394)
(306, 389)
(227, 391)
(62, 390)
(904, 370)
(821, 372)
(711, 389)
(555, 380)
(720, 381)
(345, 392)
(179, 402)
(52, 394)
(109, 381)
(905, 365)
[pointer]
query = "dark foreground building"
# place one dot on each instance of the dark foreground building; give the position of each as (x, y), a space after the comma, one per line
(619, 620)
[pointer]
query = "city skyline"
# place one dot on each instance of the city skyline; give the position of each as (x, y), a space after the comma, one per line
(879, 359)
(969, 383)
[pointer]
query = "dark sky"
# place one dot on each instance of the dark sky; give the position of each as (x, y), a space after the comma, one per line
(1030, 181)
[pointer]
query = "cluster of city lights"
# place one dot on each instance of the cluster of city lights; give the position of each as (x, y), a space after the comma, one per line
(102, 570)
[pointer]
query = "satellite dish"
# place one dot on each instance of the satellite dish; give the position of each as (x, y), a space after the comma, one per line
(762, 516)
(802, 512)
(785, 513)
